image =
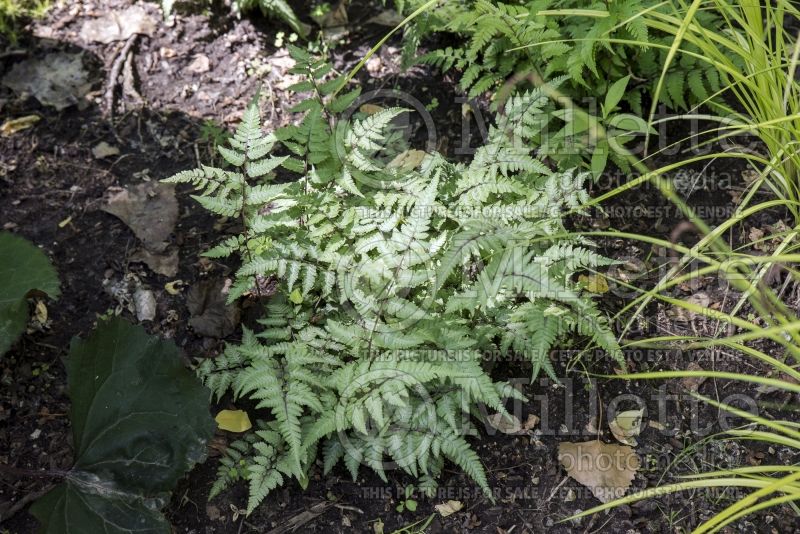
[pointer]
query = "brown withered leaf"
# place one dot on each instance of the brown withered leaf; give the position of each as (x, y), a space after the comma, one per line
(58, 79)
(165, 263)
(211, 316)
(149, 209)
(118, 25)
(693, 383)
(606, 469)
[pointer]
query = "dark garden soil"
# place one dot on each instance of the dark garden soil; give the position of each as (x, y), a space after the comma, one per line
(205, 67)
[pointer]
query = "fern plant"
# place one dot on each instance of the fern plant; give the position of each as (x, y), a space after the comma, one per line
(391, 284)
(588, 47)
(594, 45)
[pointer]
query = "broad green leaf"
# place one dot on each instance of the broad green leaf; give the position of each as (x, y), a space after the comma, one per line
(625, 122)
(614, 95)
(599, 160)
(140, 420)
(71, 509)
(24, 270)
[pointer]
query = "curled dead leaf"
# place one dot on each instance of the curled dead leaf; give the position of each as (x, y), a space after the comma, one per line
(626, 426)
(510, 424)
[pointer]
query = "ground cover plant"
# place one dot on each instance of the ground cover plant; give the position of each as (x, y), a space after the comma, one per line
(14, 12)
(400, 334)
(593, 48)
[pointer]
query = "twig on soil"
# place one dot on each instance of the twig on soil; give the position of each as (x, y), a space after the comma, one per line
(271, 102)
(350, 508)
(113, 76)
(23, 502)
(16, 472)
(553, 493)
(302, 518)
(13, 53)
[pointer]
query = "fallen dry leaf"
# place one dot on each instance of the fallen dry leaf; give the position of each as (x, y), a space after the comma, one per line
(594, 283)
(407, 160)
(103, 150)
(211, 316)
(606, 469)
(58, 79)
(118, 25)
(174, 287)
(755, 236)
(511, 424)
(165, 263)
(12, 126)
(693, 383)
(370, 109)
(40, 312)
(448, 508)
(149, 209)
(626, 426)
(334, 23)
(233, 421)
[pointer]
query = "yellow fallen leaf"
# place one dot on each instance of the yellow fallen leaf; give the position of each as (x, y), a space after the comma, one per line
(448, 508)
(12, 126)
(605, 468)
(594, 283)
(626, 426)
(656, 425)
(174, 287)
(296, 297)
(233, 421)
(40, 312)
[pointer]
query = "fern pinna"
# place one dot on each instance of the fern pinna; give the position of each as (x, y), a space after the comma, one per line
(392, 284)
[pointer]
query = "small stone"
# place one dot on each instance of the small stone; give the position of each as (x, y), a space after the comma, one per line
(212, 512)
(145, 303)
(104, 150)
(200, 64)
